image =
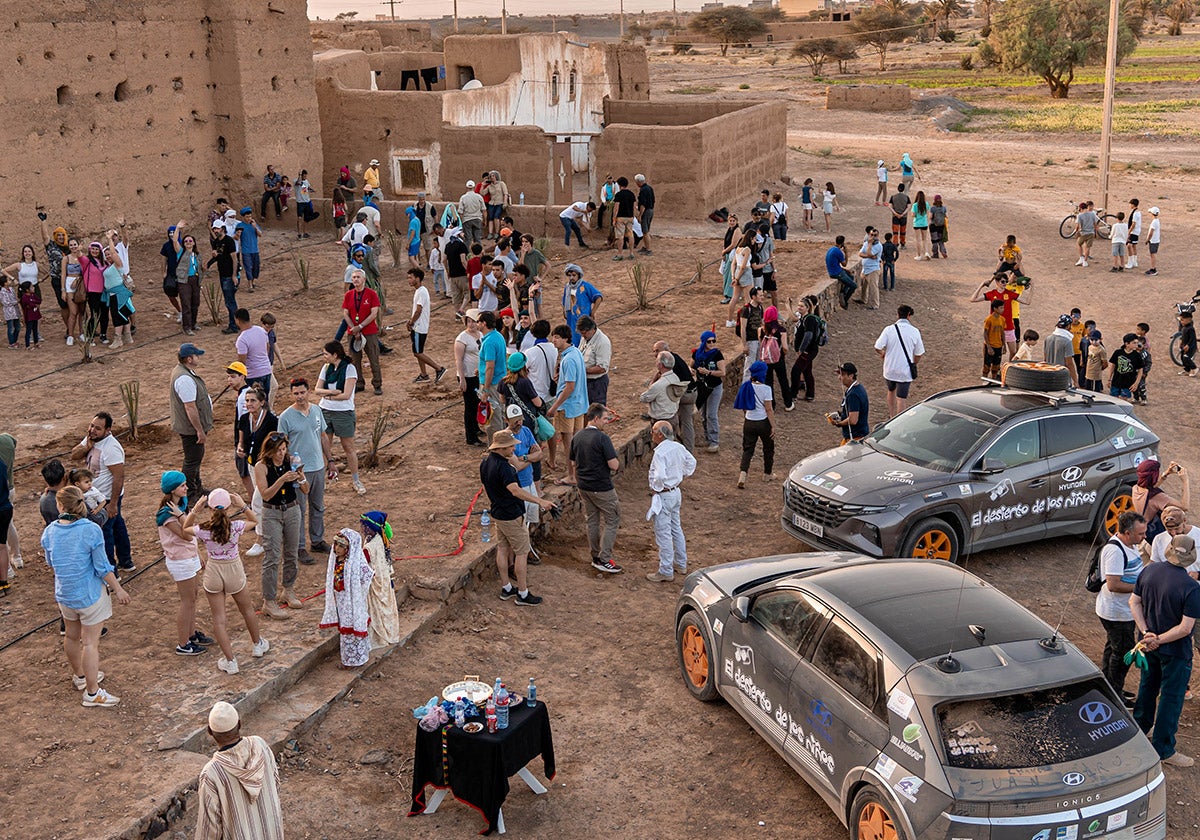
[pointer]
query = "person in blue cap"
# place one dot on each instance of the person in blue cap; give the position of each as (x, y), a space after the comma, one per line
(384, 628)
(755, 398)
(414, 238)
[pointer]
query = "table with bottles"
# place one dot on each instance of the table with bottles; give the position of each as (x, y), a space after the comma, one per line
(475, 766)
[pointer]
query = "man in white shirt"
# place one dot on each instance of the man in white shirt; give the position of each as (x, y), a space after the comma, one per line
(1135, 233)
(1120, 565)
(596, 348)
(356, 233)
(668, 468)
(1155, 236)
(105, 457)
(901, 348)
(418, 327)
(575, 213)
(470, 212)
(372, 218)
(881, 176)
(541, 358)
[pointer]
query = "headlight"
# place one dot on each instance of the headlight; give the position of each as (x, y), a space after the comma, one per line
(859, 510)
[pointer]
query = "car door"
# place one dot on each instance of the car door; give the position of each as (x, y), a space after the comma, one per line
(1078, 471)
(839, 690)
(760, 655)
(1009, 483)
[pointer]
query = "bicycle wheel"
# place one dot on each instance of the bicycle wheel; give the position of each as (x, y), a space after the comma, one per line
(1104, 225)
(1175, 357)
(1067, 229)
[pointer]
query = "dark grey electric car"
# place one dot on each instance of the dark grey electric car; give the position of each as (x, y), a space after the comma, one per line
(971, 469)
(919, 701)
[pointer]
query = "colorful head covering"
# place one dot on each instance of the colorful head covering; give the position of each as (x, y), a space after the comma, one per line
(1147, 473)
(575, 268)
(770, 314)
(375, 522)
(703, 354)
(747, 400)
(346, 586)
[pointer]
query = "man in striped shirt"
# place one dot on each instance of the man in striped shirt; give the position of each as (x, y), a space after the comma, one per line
(239, 787)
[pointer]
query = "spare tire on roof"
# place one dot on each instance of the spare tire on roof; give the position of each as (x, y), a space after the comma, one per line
(1035, 376)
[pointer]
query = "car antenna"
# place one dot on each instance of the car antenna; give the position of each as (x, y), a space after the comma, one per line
(948, 664)
(1051, 643)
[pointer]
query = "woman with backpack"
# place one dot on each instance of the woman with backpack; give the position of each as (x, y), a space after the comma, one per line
(1150, 500)
(809, 335)
(772, 349)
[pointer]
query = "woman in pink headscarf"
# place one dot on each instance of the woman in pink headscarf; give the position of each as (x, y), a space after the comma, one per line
(774, 355)
(1149, 500)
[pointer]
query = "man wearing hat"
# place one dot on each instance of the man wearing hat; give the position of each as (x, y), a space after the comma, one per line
(1175, 521)
(239, 787)
(225, 255)
(371, 176)
(191, 414)
(1165, 605)
(498, 472)
(853, 415)
(470, 212)
(246, 234)
(1152, 240)
(1059, 347)
(881, 177)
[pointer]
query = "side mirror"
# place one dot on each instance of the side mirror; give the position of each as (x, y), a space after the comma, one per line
(990, 466)
(740, 608)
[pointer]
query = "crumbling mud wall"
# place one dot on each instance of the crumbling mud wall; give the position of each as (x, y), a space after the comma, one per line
(149, 110)
(868, 98)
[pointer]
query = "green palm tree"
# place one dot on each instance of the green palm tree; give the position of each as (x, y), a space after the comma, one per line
(944, 10)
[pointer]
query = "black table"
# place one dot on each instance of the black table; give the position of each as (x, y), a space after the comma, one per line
(481, 763)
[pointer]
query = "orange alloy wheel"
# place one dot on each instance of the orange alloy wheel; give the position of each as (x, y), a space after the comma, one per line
(1121, 503)
(695, 656)
(933, 545)
(875, 823)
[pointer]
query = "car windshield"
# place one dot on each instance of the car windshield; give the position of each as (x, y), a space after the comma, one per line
(1033, 729)
(929, 436)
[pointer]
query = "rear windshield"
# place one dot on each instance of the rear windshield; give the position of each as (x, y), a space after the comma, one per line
(929, 436)
(1033, 729)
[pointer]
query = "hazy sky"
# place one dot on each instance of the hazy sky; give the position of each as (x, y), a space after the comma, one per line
(436, 8)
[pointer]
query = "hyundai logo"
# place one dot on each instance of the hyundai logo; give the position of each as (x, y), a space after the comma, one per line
(1095, 713)
(1071, 474)
(898, 474)
(1073, 779)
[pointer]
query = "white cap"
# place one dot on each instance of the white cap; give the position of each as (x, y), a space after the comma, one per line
(223, 718)
(1153, 211)
(879, 163)
(470, 185)
(374, 162)
(218, 224)
(230, 214)
(513, 411)
(219, 499)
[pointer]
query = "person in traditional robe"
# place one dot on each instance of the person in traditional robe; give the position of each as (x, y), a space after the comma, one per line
(384, 628)
(239, 787)
(347, 582)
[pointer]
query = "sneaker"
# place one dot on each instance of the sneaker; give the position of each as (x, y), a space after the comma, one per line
(190, 649)
(80, 683)
(791, 407)
(658, 577)
(1084, 263)
(200, 638)
(178, 317)
(531, 600)
(229, 331)
(101, 698)
(70, 341)
(1079, 261)
(255, 550)
(126, 566)
(505, 594)
(1150, 272)
(421, 377)
(438, 376)
(262, 647)
(1175, 759)
(713, 448)
(617, 258)
(606, 566)
(379, 392)
(305, 559)
(358, 487)
(273, 610)
(229, 666)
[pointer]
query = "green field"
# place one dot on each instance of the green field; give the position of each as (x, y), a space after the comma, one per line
(1131, 71)
(1165, 118)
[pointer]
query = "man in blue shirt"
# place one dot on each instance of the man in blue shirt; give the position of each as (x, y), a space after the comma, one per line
(571, 402)
(835, 266)
(853, 416)
(247, 238)
(579, 298)
(1165, 605)
(493, 353)
(272, 182)
(304, 425)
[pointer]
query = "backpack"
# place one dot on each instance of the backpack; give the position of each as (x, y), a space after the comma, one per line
(768, 350)
(1095, 581)
(822, 332)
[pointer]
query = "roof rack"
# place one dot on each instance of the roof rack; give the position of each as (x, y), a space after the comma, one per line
(1088, 397)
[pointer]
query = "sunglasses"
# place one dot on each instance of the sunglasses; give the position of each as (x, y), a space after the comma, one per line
(711, 341)
(275, 437)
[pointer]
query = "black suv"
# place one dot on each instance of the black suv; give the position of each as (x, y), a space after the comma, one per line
(972, 469)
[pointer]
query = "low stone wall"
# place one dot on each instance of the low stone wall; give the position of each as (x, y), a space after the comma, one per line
(868, 98)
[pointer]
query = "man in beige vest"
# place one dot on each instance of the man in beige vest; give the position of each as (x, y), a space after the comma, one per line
(191, 415)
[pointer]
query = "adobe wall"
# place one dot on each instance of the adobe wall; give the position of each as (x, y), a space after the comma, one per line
(628, 71)
(799, 30)
(493, 58)
(868, 98)
(692, 167)
(666, 113)
(521, 153)
(351, 68)
(372, 36)
(149, 110)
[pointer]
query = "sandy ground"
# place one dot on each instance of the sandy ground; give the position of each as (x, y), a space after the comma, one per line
(636, 755)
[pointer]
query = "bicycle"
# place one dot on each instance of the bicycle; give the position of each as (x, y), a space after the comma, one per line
(1104, 223)
(1181, 309)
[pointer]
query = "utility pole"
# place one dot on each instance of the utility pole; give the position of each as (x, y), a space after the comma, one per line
(503, 17)
(1110, 84)
(675, 16)
(622, 18)
(456, 16)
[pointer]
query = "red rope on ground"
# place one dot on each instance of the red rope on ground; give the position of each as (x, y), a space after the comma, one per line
(466, 524)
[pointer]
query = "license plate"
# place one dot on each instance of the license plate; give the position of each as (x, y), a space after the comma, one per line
(805, 525)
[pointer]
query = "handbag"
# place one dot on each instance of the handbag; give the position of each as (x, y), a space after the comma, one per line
(170, 286)
(543, 429)
(912, 369)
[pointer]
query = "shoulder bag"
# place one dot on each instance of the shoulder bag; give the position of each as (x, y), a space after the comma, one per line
(912, 369)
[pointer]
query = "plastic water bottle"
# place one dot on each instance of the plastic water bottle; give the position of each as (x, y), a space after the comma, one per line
(522, 198)
(531, 694)
(502, 708)
(486, 522)
(297, 463)
(490, 711)
(460, 713)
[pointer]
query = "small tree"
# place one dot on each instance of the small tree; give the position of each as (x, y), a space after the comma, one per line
(879, 27)
(729, 25)
(345, 16)
(815, 51)
(944, 10)
(1179, 13)
(846, 51)
(1050, 39)
(985, 8)
(769, 15)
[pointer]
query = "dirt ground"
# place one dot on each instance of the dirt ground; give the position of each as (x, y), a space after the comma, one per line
(636, 755)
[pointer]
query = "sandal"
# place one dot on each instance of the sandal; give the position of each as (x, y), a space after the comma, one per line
(564, 482)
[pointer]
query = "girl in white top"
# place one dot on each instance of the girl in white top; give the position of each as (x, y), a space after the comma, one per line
(438, 269)
(466, 367)
(26, 270)
(743, 276)
(829, 203)
(335, 387)
(756, 399)
(1153, 240)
